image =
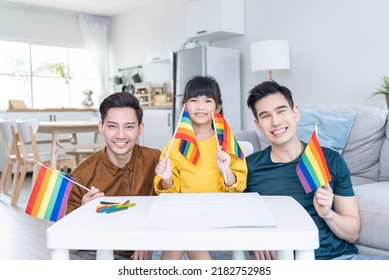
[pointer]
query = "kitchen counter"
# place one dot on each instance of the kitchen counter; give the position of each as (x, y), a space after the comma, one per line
(76, 109)
(52, 110)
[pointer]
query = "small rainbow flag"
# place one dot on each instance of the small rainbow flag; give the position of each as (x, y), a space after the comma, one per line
(49, 195)
(226, 138)
(188, 145)
(312, 169)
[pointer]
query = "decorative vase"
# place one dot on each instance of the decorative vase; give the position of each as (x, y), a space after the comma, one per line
(87, 102)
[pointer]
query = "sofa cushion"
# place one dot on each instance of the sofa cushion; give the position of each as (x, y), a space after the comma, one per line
(333, 128)
(363, 147)
(374, 210)
(356, 180)
(326, 117)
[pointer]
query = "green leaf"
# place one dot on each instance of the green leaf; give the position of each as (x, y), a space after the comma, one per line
(384, 89)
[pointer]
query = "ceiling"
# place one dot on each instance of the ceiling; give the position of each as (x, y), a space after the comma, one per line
(95, 7)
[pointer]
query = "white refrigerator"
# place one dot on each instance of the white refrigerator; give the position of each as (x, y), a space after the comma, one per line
(222, 64)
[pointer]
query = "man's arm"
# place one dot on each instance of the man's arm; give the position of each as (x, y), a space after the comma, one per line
(344, 220)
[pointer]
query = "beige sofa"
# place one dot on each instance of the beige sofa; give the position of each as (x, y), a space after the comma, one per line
(367, 154)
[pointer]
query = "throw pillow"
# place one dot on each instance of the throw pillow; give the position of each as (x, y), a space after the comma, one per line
(333, 128)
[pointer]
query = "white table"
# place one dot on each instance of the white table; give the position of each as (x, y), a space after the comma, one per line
(125, 230)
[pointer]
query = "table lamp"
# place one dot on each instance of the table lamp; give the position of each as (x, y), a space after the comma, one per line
(270, 55)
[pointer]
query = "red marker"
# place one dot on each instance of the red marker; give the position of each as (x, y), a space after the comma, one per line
(126, 202)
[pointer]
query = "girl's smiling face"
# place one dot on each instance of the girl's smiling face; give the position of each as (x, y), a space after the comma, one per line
(200, 109)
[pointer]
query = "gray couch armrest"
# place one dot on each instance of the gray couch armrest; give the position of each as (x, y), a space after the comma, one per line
(250, 136)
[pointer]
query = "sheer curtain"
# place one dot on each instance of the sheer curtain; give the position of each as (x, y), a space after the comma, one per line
(94, 30)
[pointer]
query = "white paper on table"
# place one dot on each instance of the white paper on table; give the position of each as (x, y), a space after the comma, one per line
(209, 210)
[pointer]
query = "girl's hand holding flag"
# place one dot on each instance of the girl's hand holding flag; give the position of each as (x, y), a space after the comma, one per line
(223, 161)
(164, 170)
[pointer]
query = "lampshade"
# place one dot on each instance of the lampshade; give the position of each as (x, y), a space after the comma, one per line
(270, 55)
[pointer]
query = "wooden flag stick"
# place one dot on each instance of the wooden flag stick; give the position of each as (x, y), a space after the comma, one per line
(174, 134)
(217, 144)
(316, 124)
(58, 173)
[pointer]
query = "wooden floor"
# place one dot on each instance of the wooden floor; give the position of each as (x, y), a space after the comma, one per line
(22, 237)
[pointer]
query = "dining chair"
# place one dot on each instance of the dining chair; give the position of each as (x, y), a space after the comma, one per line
(29, 150)
(82, 154)
(11, 154)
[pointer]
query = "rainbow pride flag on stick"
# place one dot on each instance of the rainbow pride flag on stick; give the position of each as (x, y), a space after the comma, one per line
(312, 169)
(50, 194)
(188, 144)
(226, 138)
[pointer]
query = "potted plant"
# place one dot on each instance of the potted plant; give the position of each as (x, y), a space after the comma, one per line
(384, 90)
(117, 80)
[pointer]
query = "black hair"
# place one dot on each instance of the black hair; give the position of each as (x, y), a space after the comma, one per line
(203, 85)
(265, 89)
(121, 100)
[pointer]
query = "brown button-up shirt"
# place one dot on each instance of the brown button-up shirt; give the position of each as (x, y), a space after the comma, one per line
(136, 178)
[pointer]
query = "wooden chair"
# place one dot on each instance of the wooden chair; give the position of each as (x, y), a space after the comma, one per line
(82, 154)
(11, 154)
(29, 150)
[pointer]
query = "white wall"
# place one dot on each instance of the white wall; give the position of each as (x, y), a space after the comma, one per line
(339, 49)
(129, 39)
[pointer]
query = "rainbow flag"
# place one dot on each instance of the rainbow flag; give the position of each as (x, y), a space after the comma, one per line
(226, 138)
(49, 195)
(312, 169)
(188, 145)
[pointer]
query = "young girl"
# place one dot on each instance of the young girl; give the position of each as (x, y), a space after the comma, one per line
(215, 171)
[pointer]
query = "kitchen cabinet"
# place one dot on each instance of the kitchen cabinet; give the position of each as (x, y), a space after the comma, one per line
(210, 20)
(166, 34)
(157, 42)
(145, 91)
(158, 128)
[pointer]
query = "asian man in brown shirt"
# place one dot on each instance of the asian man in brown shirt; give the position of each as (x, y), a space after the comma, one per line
(123, 167)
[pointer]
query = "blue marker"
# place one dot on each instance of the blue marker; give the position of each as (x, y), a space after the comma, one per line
(107, 202)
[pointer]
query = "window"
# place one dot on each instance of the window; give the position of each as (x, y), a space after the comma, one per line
(45, 76)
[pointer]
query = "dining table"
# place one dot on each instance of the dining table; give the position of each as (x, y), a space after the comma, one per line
(58, 128)
(188, 222)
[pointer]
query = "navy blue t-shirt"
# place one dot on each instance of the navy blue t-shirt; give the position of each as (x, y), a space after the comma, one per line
(270, 178)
